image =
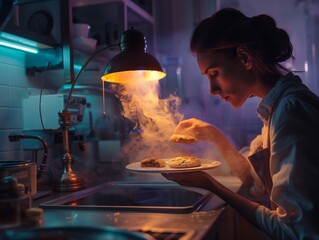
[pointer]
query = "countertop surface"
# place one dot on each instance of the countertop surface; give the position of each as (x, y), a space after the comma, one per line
(193, 225)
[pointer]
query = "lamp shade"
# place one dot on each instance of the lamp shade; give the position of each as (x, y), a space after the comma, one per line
(133, 63)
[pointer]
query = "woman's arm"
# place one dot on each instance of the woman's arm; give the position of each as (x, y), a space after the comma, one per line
(206, 132)
(203, 180)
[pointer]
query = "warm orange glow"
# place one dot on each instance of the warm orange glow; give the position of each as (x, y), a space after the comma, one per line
(73, 204)
(154, 119)
(133, 76)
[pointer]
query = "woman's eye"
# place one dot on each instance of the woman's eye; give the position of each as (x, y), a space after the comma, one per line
(213, 76)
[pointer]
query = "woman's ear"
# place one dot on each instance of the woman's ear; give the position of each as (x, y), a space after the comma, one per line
(245, 57)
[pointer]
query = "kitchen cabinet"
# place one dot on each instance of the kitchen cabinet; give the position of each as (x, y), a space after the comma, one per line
(108, 19)
(36, 21)
(35, 26)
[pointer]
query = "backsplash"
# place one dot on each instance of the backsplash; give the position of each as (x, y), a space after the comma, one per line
(14, 86)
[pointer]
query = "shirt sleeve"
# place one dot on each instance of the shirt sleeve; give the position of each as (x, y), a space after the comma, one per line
(294, 168)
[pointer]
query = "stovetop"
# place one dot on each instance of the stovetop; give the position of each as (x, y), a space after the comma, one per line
(142, 197)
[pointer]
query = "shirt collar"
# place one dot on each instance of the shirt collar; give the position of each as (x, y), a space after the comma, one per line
(267, 103)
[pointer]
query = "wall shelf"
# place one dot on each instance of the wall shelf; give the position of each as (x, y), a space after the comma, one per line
(108, 19)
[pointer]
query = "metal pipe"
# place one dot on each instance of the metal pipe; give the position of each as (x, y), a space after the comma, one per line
(42, 166)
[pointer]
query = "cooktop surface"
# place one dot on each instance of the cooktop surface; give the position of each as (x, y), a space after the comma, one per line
(134, 197)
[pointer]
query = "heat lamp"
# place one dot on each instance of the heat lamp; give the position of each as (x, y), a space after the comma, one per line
(132, 64)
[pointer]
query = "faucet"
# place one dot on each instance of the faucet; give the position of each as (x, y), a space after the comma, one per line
(42, 166)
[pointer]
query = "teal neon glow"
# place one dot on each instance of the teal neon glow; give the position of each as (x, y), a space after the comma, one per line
(17, 39)
(24, 44)
(8, 37)
(18, 46)
(77, 67)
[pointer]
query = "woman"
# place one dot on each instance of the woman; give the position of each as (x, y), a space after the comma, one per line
(242, 57)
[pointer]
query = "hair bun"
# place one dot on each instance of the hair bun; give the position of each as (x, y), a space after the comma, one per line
(263, 20)
(276, 40)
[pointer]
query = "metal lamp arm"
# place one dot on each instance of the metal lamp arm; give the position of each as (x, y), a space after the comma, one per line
(82, 69)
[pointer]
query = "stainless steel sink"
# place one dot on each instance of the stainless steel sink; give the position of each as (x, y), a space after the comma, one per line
(161, 197)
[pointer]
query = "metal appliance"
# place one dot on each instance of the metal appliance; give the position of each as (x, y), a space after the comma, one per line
(137, 206)
(24, 171)
(50, 105)
(152, 197)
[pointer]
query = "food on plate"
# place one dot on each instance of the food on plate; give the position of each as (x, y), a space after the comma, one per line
(184, 162)
(153, 162)
(179, 138)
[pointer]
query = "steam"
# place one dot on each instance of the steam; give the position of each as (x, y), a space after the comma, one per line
(154, 120)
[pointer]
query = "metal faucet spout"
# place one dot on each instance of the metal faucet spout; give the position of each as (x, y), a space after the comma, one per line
(42, 166)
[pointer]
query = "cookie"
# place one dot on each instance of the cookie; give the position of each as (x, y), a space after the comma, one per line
(184, 162)
(179, 138)
(153, 162)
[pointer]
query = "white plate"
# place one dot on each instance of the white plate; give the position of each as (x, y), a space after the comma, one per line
(136, 167)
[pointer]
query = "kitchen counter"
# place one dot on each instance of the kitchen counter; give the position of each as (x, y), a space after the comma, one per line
(201, 224)
(190, 226)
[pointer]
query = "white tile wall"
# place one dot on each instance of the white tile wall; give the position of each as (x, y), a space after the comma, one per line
(16, 85)
(13, 86)
(5, 94)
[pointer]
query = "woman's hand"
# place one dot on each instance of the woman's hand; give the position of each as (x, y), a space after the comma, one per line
(206, 132)
(198, 129)
(191, 179)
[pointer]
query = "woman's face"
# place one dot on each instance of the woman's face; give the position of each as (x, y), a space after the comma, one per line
(228, 76)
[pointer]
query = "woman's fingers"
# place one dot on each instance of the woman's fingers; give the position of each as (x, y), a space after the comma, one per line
(186, 124)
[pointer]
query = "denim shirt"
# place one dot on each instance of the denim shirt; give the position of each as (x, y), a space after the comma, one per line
(291, 112)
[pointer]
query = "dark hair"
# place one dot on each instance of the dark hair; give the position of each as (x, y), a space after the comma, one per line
(230, 28)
